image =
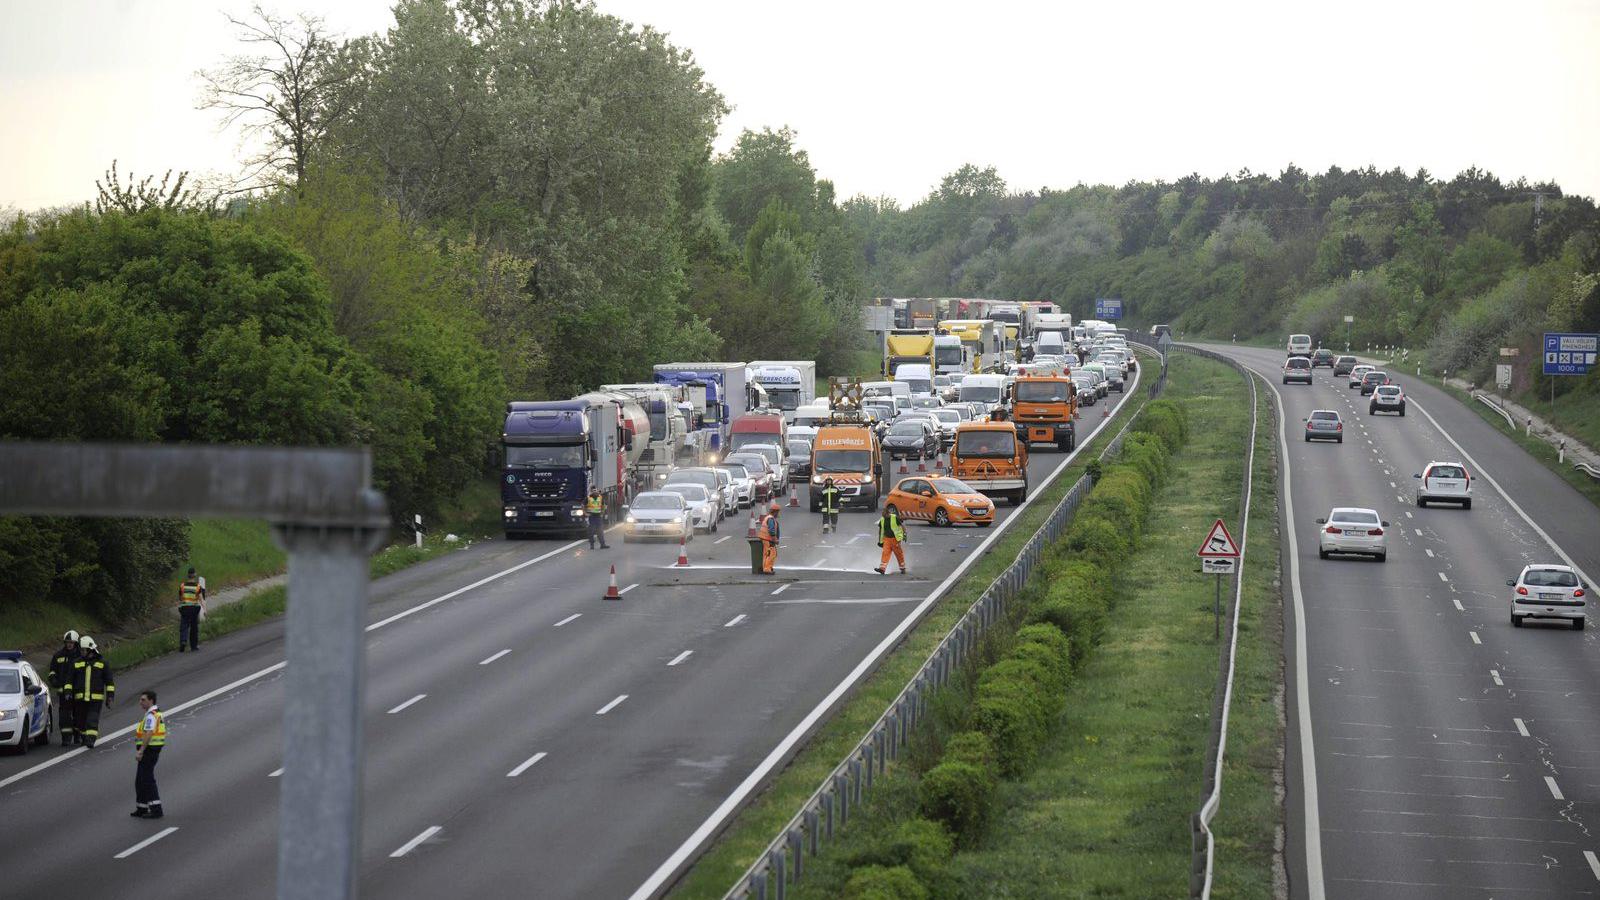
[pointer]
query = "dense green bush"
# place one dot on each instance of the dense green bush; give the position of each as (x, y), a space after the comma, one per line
(973, 748)
(1166, 420)
(1099, 539)
(922, 845)
(959, 795)
(1080, 615)
(884, 883)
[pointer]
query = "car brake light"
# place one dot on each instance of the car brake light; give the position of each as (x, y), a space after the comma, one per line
(1377, 531)
(1338, 426)
(1332, 530)
(1522, 592)
(1578, 592)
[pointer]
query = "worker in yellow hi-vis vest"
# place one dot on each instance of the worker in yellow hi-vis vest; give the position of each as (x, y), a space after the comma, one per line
(191, 601)
(149, 736)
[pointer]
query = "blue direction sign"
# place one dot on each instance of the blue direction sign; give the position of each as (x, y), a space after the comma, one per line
(1570, 354)
(1107, 309)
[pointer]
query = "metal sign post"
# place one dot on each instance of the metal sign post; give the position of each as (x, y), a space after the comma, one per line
(1347, 321)
(325, 513)
(1219, 555)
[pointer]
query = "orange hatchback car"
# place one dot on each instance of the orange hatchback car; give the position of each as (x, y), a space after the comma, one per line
(942, 501)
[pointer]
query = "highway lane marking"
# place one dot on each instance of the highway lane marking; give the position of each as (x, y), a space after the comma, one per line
(688, 847)
(1391, 484)
(734, 621)
(854, 539)
(411, 845)
(1521, 728)
(526, 764)
(1410, 516)
(1457, 602)
(566, 620)
(1594, 864)
(459, 591)
(1443, 578)
(612, 705)
(627, 589)
(146, 842)
(1555, 789)
(1418, 531)
(780, 590)
(1475, 638)
(1400, 498)
(680, 657)
(275, 772)
(485, 662)
(1495, 674)
(406, 704)
(862, 601)
(1484, 474)
(721, 539)
(1427, 551)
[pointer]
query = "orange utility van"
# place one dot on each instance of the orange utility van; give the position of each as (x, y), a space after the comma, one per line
(990, 457)
(850, 455)
(1043, 405)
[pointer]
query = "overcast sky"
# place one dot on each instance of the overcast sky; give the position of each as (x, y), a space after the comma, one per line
(887, 97)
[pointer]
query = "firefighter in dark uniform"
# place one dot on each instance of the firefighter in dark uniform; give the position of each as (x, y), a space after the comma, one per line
(60, 681)
(92, 687)
(830, 506)
(595, 512)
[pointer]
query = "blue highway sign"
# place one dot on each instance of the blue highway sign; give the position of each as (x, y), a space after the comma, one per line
(1107, 309)
(1570, 354)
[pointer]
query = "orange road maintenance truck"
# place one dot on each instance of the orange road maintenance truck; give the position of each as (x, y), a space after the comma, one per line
(846, 450)
(991, 457)
(1043, 406)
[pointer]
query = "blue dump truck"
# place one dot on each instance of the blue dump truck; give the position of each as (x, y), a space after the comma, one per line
(554, 452)
(728, 395)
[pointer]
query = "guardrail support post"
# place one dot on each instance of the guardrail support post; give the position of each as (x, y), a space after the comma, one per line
(797, 850)
(868, 755)
(779, 868)
(812, 826)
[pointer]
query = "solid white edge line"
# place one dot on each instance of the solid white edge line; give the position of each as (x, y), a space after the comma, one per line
(713, 822)
(1427, 551)
(1594, 863)
(1484, 474)
(1555, 789)
(527, 764)
(1522, 727)
(406, 704)
(612, 705)
(411, 845)
(680, 657)
(485, 662)
(146, 842)
(1315, 889)
(567, 619)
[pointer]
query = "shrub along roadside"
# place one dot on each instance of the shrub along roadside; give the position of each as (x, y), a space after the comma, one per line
(1012, 705)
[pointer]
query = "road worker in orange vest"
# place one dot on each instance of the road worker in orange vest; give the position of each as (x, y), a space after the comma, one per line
(768, 532)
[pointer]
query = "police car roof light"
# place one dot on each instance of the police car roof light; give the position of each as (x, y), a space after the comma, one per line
(11, 655)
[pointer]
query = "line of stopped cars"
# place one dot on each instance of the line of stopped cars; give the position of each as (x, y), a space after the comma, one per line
(1540, 592)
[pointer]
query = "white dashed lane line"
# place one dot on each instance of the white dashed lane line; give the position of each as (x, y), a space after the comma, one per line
(411, 845)
(1457, 602)
(1555, 789)
(1594, 864)
(1475, 638)
(734, 621)
(780, 590)
(1522, 729)
(145, 843)
(485, 662)
(567, 619)
(680, 657)
(526, 765)
(721, 539)
(1495, 674)
(612, 705)
(407, 703)
(275, 773)
(1442, 577)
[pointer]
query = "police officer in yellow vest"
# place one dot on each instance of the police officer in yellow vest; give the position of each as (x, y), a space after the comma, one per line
(595, 511)
(149, 736)
(830, 506)
(92, 687)
(191, 600)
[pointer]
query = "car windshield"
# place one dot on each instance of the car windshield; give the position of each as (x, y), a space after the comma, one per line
(799, 448)
(1347, 360)
(1042, 391)
(736, 470)
(906, 429)
(757, 465)
(10, 681)
(693, 493)
(1374, 376)
(1355, 517)
(987, 443)
(980, 394)
(767, 451)
(1447, 472)
(825, 461)
(1299, 362)
(947, 415)
(951, 486)
(1534, 578)
(545, 456)
(1325, 415)
(1389, 390)
(706, 480)
(656, 501)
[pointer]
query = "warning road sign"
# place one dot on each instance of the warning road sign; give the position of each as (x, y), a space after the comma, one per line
(1219, 543)
(1219, 566)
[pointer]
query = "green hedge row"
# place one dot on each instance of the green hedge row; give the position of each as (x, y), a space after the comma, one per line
(1016, 700)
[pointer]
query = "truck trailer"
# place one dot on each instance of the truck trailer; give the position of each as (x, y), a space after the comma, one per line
(555, 452)
(789, 383)
(727, 396)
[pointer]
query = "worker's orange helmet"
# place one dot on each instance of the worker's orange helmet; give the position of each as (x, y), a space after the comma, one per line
(774, 507)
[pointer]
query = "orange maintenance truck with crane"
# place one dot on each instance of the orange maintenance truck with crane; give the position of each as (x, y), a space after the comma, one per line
(1043, 405)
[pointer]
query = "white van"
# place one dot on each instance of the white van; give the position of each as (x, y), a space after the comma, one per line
(986, 389)
(1049, 343)
(812, 415)
(899, 392)
(1299, 345)
(917, 377)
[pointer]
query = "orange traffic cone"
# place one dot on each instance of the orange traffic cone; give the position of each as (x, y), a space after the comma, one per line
(794, 497)
(683, 550)
(903, 469)
(611, 592)
(1105, 411)
(751, 532)
(921, 467)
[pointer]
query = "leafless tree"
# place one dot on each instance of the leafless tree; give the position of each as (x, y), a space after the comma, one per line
(280, 94)
(136, 195)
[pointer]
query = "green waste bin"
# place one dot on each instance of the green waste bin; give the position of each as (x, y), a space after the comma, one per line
(755, 556)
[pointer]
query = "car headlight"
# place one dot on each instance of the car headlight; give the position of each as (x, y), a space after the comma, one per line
(577, 511)
(816, 479)
(511, 514)
(677, 520)
(866, 479)
(630, 520)
(7, 714)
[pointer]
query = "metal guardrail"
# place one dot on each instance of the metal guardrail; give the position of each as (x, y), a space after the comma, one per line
(1510, 422)
(1587, 469)
(829, 807)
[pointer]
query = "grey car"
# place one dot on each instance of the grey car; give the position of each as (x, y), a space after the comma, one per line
(912, 439)
(1324, 425)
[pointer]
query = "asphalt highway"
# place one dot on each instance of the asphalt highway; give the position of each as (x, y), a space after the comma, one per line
(520, 731)
(1434, 750)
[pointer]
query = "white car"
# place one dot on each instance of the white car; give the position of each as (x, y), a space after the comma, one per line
(1351, 529)
(702, 505)
(1547, 591)
(657, 514)
(25, 711)
(1444, 482)
(1387, 398)
(777, 457)
(744, 487)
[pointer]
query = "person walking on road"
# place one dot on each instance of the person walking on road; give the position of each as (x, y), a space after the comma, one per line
(191, 603)
(768, 532)
(92, 687)
(60, 681)
(830, 506)
(891, 534)
(149, 736)
(595, 511)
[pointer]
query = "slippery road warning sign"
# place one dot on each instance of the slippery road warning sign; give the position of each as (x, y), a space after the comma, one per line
(1218, 544)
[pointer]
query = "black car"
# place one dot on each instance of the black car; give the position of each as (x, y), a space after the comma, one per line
(1343, 365)
(799, 460)
(1323, 357)
(1371, 380)
(913, 439)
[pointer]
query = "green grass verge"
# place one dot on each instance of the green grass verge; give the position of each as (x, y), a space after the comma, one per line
(716, 871)
(254, 609)
(231, 552)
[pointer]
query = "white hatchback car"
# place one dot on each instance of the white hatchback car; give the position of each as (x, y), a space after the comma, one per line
(1444, 482)
(1545, 591)
(702, 505)
(25, 715)
(658, 514)
(1351, 529)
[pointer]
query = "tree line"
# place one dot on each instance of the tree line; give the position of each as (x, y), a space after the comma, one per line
(492, 199)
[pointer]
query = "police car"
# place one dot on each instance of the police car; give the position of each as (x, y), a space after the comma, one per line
(25, 716)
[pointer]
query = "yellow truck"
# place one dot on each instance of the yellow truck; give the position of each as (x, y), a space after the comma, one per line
(903, 346)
